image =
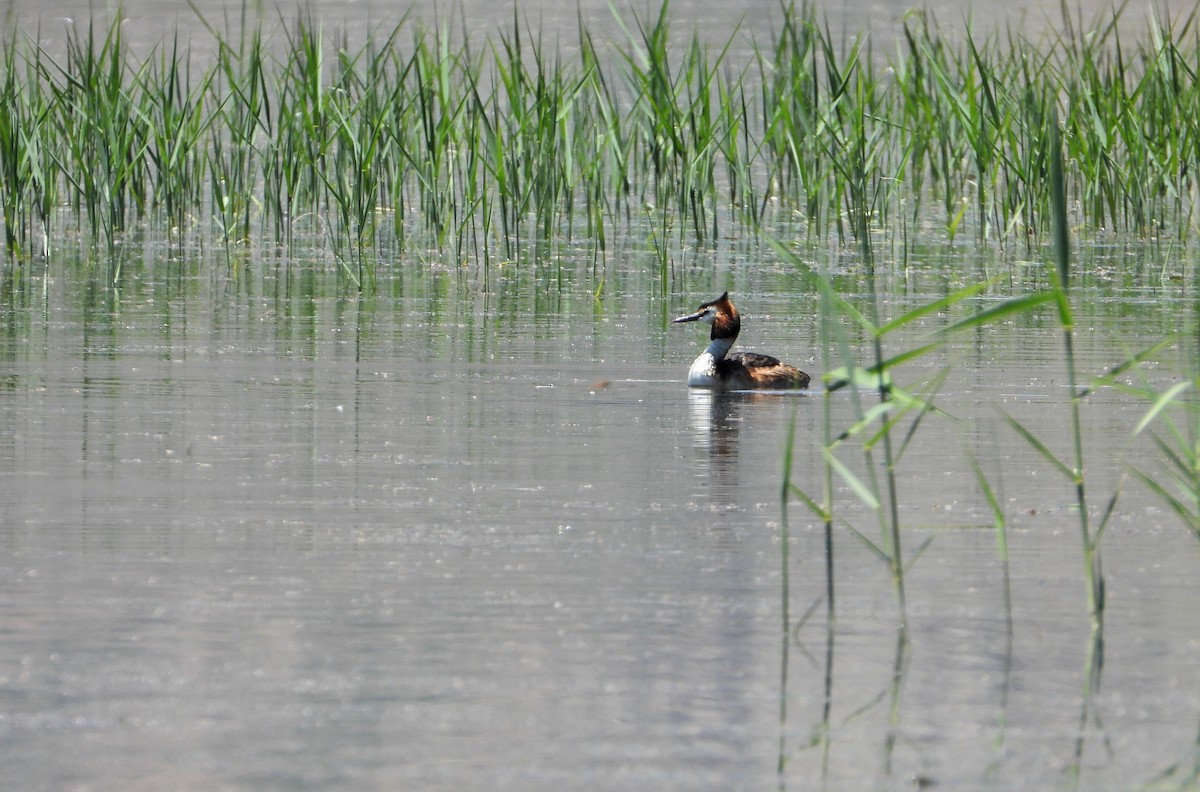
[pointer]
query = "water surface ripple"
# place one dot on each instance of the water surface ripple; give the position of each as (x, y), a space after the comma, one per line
(260, 537)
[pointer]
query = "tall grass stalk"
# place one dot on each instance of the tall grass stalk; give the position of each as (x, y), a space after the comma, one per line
(179, 118)
(785, 594)
(1173, 423)
(823, 509)
(1000, 523)
(1059, 275)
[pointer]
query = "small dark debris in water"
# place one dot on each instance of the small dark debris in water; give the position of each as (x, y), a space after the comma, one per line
(1032, 511)
(599, 385)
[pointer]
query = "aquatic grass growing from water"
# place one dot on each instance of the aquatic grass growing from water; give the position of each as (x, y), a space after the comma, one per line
(1000, 522)
(1180, 450)
(824, 510)
(29, 174)
(178, 119)
(1058, 269)
(479, 150)
(873, 427)
(234, 155)
(359, 132)
(874, 424)
(1172, 422)
(105, 131)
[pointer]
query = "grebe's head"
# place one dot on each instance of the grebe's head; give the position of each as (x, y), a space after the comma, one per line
(719, 313)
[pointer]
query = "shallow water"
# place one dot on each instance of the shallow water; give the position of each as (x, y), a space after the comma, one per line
(259, 534)
(751, 24)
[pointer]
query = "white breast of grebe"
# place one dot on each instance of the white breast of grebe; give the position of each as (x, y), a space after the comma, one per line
(703, 373)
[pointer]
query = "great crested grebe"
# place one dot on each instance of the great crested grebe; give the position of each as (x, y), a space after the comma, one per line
(716, 368)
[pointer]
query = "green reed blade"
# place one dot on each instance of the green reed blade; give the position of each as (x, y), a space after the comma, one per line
(819, 511)
(1039, 446)
(875, 549)
(1011, 307)
(864, 492)
(1165, 399)
(1186, 514)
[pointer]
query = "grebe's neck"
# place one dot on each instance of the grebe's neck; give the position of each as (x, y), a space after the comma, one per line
(718, 348)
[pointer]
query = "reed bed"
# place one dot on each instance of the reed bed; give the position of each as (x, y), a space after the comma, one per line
(482, 150)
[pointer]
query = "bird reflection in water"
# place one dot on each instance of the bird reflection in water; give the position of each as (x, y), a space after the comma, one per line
(716, 421)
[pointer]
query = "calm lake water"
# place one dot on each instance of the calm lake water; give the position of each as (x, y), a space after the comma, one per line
(261, 534)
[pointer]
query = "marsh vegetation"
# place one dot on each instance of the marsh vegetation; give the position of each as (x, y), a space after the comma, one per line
(419, 139)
